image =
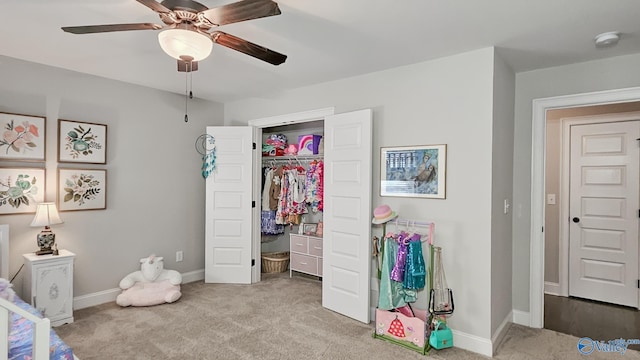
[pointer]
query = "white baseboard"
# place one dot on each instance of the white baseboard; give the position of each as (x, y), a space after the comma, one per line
(105, 296)
(472, 343)
(193, 276)
(551, 288)
(97, 298)
(501, 331)
(521, 318)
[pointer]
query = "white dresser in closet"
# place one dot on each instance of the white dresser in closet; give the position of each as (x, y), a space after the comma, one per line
(305, 255)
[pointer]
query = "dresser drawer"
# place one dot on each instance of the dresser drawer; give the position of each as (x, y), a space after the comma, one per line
(320, 267)
(315, 246)
(299, 244)
(304, 263)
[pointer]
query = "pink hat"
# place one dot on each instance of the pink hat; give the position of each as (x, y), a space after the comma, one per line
(382, 214)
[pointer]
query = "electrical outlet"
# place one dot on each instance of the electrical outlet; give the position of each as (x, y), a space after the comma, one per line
(179, 256)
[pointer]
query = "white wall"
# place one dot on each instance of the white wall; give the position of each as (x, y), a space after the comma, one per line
(614, 73)
(155, 193)
(501, 191)
(446, 101)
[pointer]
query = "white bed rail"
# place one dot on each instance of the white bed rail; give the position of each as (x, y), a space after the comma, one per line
(41, 330)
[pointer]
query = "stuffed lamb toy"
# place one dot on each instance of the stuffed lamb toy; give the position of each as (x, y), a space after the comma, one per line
(151, 285)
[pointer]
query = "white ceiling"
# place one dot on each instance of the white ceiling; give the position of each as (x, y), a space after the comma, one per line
(324, 39)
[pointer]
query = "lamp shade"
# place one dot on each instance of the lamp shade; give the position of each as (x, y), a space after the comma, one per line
(181, 42)
(46, 214)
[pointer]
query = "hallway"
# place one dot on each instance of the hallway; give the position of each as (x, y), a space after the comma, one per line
(586, 318)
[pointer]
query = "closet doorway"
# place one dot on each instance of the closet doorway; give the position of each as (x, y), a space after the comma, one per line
(233, 239)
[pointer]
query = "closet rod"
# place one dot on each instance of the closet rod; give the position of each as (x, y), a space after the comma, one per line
(289, 160)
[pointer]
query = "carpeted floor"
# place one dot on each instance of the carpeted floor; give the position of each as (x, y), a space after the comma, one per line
(278, 318)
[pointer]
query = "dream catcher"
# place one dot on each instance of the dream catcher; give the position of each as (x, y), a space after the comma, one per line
(205, 146)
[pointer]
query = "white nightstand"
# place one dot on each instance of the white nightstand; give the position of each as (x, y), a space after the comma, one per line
(48, 285)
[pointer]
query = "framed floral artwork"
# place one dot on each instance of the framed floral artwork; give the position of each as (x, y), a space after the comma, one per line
(414, 171)
(82, 142)
(23, 137)
(82, 189)
(21, 189)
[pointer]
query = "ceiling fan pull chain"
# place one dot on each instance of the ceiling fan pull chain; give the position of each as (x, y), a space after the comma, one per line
(186, 98)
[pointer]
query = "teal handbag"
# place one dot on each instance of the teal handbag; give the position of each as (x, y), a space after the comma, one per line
(441, 337)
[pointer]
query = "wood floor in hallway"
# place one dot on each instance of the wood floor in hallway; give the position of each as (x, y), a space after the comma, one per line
(593, 319)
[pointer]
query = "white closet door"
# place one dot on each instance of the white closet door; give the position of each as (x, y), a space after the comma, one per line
(228, 207)
(347, 214)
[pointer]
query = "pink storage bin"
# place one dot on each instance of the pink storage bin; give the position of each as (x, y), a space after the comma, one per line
(410, 332)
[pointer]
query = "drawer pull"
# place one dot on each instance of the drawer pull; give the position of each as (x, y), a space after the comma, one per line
(303, 263)
(317, 247)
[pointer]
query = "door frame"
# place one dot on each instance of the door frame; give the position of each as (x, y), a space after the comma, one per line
(565, 168)
(258, 125)
(538, 143)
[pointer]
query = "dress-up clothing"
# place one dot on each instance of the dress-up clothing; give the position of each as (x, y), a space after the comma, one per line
(397, 273)
(392, 293)
(415, 269)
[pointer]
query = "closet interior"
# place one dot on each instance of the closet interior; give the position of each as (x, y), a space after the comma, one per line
(292, 198)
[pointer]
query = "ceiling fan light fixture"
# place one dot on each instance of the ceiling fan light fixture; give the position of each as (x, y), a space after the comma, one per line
(181, 42)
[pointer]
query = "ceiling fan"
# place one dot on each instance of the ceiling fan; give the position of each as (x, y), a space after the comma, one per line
(187, 33)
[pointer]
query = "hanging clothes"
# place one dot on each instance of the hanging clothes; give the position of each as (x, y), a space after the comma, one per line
(397, 273)
(314, 185)
(415, 268)
(274, 190)
(392, 293)
(268, 180)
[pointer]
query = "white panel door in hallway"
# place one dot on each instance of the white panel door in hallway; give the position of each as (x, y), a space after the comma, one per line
(604, 209)
(228, 209)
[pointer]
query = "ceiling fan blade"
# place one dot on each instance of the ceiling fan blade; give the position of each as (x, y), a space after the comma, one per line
(249, 48)
(241, 11)
(91, 29)
(155, 6)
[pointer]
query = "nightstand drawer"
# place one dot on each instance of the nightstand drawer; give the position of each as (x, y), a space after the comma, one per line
(304, 263)
(315, 246)
(299, 244)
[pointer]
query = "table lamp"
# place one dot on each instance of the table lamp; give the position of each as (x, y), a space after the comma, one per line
(46, 214)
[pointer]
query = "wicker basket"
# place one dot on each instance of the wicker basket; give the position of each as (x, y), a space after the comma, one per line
(275, 262)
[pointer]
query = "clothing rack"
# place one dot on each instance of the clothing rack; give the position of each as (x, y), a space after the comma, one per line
(421, 319)
(413, 223)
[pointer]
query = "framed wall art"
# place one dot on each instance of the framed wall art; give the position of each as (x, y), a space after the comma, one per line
(82, 142)
(21, 189)
(23, 137)
(414, 171)
(82, 189)
(309, 228)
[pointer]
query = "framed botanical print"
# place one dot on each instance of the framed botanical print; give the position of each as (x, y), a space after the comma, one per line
(21, 189)
(82, 189)
(414, 171)
(23, 137)
(82, 142)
